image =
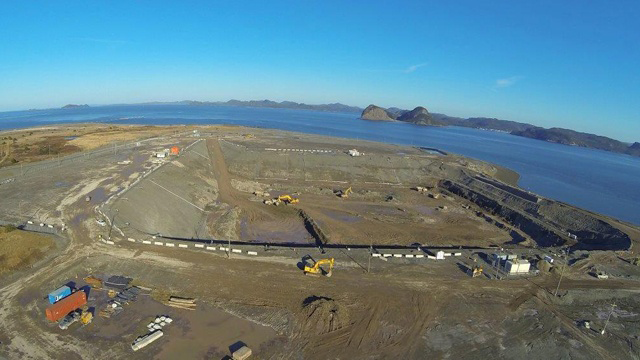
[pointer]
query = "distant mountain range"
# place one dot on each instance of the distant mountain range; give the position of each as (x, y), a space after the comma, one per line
(335, 107)
(74, 106)
(421, 116)
(571, 137)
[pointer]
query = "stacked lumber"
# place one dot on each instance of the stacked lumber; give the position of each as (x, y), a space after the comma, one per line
(181, 303)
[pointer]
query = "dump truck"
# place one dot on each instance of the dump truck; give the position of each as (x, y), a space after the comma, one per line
(63, 307)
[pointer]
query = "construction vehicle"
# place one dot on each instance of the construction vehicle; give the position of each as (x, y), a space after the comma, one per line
(316, 269)
(86, 317)
(287, 199)
(344, 193)
(476, 271)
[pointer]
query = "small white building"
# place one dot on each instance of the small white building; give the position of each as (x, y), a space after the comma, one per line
(517, 266)
(161, 155)
(440, 255)
(354, 152)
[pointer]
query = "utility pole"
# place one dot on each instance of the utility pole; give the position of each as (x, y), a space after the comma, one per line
(561, 274)
(229, 249)
(113, 218)
(608, 317)
(370, 256)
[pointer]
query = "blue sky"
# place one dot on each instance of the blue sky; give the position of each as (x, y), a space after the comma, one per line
(573, 64)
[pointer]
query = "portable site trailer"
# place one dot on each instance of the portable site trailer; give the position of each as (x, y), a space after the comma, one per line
(517, 266)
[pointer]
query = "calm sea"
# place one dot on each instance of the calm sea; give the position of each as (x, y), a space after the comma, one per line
(596, 180)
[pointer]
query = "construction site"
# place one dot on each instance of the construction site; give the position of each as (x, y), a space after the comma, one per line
(225, 242)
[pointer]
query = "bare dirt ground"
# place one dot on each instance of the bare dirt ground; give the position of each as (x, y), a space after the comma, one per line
(402, 308)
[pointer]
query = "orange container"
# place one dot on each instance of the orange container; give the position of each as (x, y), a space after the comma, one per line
(175, 150)
(60, 309)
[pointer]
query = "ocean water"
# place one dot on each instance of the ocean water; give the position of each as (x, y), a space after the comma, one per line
(595, 180)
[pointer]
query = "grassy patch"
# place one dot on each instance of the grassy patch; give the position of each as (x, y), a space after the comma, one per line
(19, 249)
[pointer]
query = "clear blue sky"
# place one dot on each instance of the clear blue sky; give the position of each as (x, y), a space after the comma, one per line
(568, 63)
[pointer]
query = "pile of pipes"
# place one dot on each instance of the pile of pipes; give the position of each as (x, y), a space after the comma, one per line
(181, 303)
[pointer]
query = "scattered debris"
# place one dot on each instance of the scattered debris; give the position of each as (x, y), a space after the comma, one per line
(93, 281)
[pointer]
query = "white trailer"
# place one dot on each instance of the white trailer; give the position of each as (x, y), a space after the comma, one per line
(146, 340)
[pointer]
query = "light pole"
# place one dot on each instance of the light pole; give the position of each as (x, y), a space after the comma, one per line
(608, 317)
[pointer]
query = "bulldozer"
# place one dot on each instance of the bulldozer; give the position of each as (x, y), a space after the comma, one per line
(317, 270)
(476, 271)
(344, 193)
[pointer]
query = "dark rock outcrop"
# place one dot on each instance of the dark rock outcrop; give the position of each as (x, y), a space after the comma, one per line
(419, 115)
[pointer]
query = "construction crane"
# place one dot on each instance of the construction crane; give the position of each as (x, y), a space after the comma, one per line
(344, 193)
(317, 270)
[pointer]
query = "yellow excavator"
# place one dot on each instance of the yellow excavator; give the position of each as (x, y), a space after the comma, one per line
(345, 193)
(288, 199)
(316, 269)
(476, 271)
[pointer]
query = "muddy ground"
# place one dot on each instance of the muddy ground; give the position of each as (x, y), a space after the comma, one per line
(369, 309)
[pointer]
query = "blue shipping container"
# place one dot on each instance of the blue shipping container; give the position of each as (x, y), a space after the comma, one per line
(59, 294)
